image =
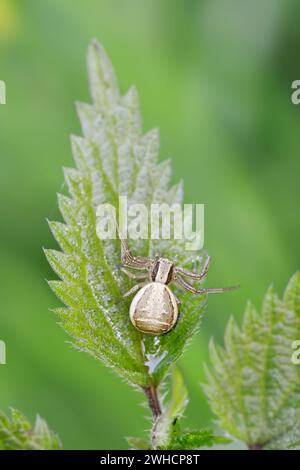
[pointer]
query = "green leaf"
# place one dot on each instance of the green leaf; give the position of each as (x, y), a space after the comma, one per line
(16, 433)
(114, 158)
(137, 443)
(190, 440)
(253, 386)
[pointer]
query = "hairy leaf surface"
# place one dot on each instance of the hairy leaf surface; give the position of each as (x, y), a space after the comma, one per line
(16, 433)
(113, 158)
(253, 386)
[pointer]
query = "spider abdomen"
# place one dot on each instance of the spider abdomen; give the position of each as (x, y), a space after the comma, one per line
(154, 309)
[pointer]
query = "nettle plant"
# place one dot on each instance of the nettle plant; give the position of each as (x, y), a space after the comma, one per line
(252, 385)
(17, 433)
(114, 158)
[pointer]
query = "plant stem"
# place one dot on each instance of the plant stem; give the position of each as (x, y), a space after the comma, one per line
(255, 447)
(153, 400)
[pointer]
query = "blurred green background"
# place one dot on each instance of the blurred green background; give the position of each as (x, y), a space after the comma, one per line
(216, 78)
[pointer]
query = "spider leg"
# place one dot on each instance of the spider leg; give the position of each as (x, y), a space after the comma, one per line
(178, 301)
(193, 290)
(137, 262)
(128, 260)
(134, 275)
(134, 289)
(191, 274)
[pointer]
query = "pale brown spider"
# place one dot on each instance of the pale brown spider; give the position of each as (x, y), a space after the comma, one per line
(154, 309)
